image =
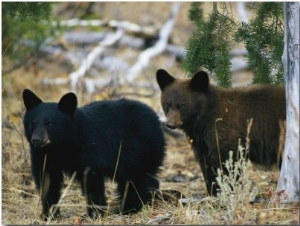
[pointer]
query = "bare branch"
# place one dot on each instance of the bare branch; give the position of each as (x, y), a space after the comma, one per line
(157, 49)
(127, 26)
(87, 63)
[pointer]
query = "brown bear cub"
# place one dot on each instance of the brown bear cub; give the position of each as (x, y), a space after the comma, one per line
(203, 110)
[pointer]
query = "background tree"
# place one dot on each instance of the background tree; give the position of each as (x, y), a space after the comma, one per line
(289, 174)
(263, 39)
(23, 30)
(210, 43)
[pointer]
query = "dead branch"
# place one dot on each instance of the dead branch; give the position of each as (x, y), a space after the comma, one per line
(87, 63)
(142, 62)
(242, 12)
(119, 71)
(131, 28)
(157, 49)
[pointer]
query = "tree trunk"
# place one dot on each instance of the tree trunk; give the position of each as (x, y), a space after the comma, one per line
(289, 174)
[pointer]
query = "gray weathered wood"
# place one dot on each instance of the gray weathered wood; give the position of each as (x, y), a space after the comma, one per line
(289, 174)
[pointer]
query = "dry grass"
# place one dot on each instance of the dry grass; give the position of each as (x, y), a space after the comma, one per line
(21, 203)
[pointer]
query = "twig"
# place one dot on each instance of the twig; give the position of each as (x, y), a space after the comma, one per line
(22, 192)
(217, 140)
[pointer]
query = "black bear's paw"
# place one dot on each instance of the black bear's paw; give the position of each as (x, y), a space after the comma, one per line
(49, 217)
(130, 208)
(95, 212)
(52, 214)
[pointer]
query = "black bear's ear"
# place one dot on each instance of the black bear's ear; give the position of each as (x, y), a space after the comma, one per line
(200, 82)
(163, 79)
(68, 103)
(30, 99)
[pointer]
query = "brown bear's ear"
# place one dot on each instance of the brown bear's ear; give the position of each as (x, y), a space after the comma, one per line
(30, 99)
(200, 82)
(163, 79)
(68, 103)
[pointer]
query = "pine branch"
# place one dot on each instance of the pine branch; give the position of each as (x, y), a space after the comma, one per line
(209, 46)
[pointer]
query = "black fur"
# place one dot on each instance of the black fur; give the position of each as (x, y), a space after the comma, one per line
(87, 141)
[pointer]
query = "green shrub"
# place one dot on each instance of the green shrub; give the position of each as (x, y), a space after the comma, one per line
(24, 28)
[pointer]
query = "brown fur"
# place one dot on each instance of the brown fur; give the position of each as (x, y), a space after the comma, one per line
(206, 112)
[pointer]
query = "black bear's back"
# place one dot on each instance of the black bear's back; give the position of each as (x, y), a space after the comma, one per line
(127, 124)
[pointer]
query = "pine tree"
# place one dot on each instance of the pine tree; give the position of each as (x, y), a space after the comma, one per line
(263, 38)
(23, 21)
(208, 47)
(27, 10)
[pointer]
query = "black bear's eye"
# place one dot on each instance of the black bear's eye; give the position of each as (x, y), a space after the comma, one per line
(33, 126)
(48, 123)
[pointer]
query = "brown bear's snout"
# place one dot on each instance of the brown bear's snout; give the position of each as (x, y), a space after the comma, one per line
(171, 126)
(173, 120)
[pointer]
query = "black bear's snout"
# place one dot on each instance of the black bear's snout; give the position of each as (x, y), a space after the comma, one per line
(39, 143)
(40, 137)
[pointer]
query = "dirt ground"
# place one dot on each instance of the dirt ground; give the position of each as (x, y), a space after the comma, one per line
(180, 172)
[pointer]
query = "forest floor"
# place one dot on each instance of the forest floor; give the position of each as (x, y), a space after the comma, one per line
(180, 171)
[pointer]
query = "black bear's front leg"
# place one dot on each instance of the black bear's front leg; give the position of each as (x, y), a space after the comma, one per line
(51, 183)
(48, 178)
(93, 189)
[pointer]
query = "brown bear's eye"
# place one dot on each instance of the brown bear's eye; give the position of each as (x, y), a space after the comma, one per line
(181, 106)
(167, 106)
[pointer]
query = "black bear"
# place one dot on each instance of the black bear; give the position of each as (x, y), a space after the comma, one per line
(120, 139)
(203, 110)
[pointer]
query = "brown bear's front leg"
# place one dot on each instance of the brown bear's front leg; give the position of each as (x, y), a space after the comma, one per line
(209, 174)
